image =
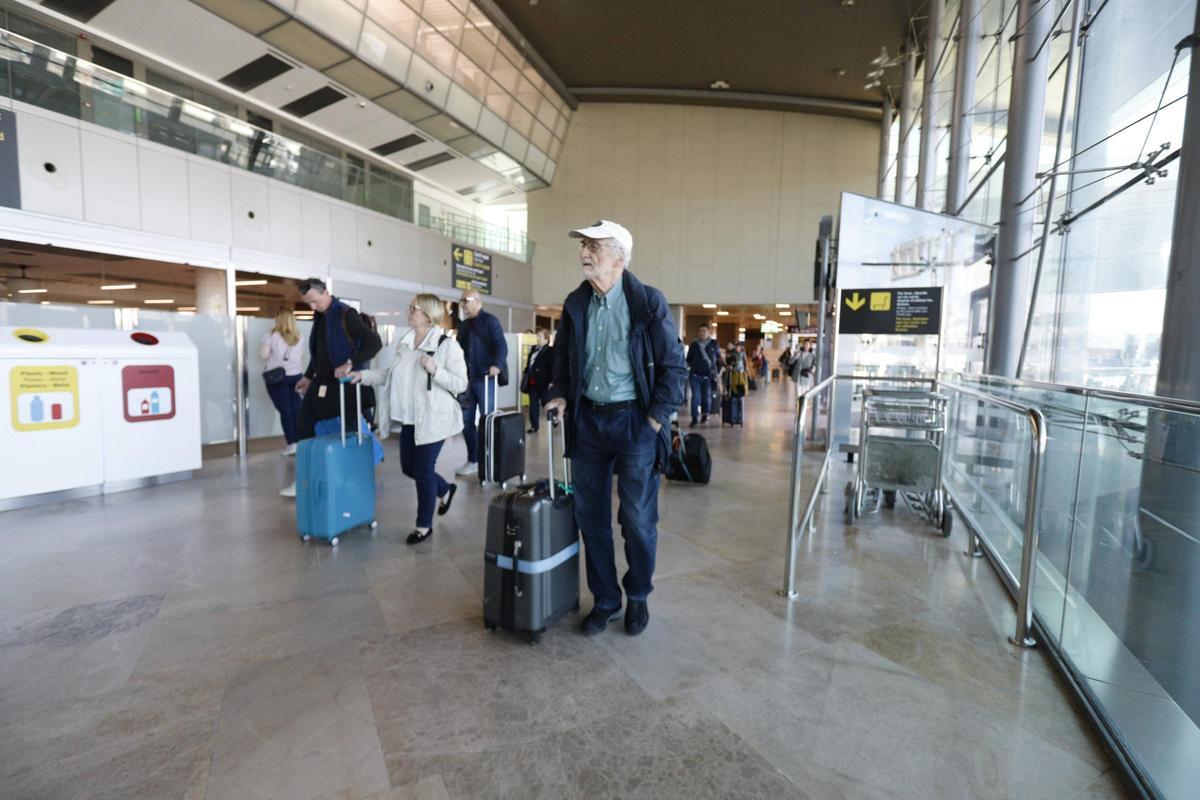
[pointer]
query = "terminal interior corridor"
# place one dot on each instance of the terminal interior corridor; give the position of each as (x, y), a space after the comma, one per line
(181, 642)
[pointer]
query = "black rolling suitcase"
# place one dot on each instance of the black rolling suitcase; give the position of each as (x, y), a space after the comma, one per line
(501, 442)
(731, 410)
(690, 461)
(531, 569)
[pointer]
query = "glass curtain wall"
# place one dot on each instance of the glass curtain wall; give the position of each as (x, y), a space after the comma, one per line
(1111, 265)
(943, 104)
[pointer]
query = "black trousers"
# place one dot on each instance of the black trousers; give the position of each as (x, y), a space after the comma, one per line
(315, 408)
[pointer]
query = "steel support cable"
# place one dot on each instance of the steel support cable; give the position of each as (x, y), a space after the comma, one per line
(1161, 97)
(980, 185)
(1119, 131)
(1069, 219)
(1053, 26)
(1091, 20)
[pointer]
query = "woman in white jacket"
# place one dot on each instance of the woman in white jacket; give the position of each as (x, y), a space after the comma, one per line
(420, 395)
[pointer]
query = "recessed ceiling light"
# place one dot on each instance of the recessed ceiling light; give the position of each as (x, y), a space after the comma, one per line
(32, 291)
(709, 305)
(759, 316)
(840, 72)
(100, 302)
(257, 282)
(719, 84)
(114, 287)
(783, 305)
(162, 301)
(722, 313)
(248, 308)
(785, 313)
(186, 308)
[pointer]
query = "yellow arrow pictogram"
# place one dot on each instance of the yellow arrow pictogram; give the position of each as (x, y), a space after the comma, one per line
(855, 302)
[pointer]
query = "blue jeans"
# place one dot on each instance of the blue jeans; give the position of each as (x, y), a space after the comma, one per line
(622, 443)
(419, 463)
(475, 401)
(701, 395)
(287, 403)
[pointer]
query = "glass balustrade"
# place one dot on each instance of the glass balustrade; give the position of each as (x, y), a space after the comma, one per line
(41, 76)
(1117, 586)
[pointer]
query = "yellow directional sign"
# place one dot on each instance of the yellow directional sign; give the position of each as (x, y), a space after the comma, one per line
(914, 311)
(472, 269)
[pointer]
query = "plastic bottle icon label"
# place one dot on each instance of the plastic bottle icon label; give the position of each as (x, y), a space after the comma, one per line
(154, 403)
(149, 392)
(37, 411)
(145, 407)
(44, 397)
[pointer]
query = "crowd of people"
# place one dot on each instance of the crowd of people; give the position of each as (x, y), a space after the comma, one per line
(615, 374)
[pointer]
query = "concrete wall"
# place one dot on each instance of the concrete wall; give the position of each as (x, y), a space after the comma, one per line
(723, 204)
(114, 193)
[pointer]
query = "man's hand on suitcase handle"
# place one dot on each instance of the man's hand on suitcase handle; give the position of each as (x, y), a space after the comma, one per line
(343, 370)
(555, 408)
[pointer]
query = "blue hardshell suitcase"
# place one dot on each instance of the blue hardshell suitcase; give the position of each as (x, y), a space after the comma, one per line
(335, 483)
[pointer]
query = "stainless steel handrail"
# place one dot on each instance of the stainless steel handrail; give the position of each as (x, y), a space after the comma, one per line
(795, 519)
(1152, 401)
(1037, 448)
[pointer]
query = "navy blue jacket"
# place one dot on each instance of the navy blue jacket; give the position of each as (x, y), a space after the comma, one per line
(659, 371)
(482, 341)
(704, 357)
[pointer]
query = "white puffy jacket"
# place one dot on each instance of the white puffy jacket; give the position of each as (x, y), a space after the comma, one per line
(435, 412)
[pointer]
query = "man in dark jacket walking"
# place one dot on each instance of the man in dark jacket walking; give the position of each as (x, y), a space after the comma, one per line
(482, 339)
(704, 361)
(618, 376)
(340, 341)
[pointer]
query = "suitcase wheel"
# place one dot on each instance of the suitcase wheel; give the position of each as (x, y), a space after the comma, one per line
(374, 524)
(490, 626)
(333, 542)
(534, 637)
(306, 538)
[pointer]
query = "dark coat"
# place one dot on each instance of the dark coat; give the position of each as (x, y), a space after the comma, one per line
(659, 371)
(482, 340)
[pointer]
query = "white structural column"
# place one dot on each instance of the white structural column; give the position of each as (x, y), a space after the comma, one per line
(970, 30)
(906, 117)
(1019, 196)
(885, 143)
(927, 166)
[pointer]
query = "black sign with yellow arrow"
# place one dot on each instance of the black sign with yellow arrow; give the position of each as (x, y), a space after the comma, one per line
(912, 311)
(472, 269)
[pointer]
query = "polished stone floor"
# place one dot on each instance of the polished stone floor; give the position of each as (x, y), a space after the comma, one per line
(180, 642)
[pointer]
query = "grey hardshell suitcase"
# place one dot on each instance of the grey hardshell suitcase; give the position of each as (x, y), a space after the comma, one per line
(531, 569)
(501, 442)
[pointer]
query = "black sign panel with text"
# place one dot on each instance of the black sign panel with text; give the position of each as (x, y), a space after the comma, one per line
(10, 168)
(472, 269)
(913, 311)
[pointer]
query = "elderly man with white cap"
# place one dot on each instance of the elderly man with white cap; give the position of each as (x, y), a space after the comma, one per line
(618, 375)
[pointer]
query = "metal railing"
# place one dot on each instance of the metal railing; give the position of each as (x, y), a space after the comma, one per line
(799, 523)
(1023, 636)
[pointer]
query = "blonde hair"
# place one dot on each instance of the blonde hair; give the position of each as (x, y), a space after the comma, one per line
(433, 307)
(285, 326)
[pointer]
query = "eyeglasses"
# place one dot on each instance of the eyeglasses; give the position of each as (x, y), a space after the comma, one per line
(591, 245)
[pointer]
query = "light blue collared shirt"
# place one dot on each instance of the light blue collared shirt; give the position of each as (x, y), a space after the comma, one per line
(607, 370)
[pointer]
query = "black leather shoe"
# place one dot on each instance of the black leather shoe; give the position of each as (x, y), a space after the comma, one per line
(637, 616)
(694, 423)
(416, 537)
(444, 505)
(532, 430)
(598, 620)
(704, 419)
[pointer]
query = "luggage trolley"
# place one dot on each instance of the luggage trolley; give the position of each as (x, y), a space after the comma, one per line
(906, 461)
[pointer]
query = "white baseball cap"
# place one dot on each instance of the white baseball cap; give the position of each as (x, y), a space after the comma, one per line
(605, 229)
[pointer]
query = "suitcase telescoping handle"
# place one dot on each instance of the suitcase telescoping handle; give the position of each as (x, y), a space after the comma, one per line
(357, 405)
(489, 424)
(552, 418)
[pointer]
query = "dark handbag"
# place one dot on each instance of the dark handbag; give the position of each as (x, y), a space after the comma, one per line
(274, 377)
(503, 377)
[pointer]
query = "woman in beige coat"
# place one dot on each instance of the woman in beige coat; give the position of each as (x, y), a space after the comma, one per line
(419, 395)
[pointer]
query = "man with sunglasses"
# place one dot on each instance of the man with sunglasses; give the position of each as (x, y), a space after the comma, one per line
(618, 376)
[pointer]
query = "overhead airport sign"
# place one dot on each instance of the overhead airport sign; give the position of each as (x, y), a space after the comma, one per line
(911, 311)
(472, 269)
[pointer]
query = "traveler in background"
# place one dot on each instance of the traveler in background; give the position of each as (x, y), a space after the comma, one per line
(280, 349)
(739, 383)
(785, 362)
(536, 379)
(704, 363)
(339, 342)
(764, 366)
(802, 366)
(482, 339)
(420, 396)
(619, 372)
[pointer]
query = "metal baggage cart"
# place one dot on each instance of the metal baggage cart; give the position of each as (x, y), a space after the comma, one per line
(901, 456)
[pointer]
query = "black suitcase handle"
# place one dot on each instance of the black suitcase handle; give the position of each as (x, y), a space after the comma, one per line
(553, 419)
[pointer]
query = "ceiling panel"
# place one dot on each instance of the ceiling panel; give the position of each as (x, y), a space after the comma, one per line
(346, 116)
(288, 86)
(785, 47)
